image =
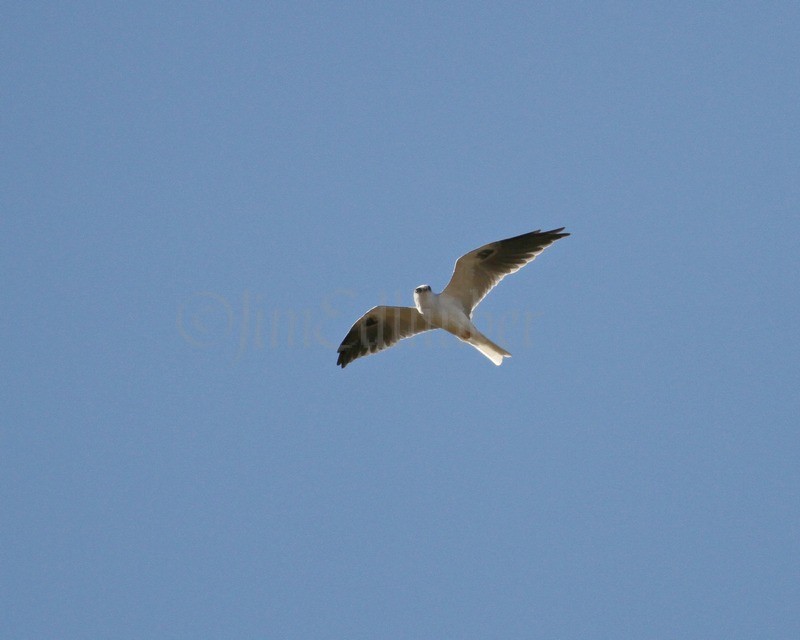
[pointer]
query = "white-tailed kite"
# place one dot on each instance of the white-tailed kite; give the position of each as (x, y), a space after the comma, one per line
(475, 274)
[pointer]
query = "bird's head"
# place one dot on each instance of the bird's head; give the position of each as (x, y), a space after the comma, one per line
(422, 292)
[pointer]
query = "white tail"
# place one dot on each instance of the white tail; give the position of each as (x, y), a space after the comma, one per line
(488, 348)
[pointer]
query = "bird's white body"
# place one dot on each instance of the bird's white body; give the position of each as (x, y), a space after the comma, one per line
(445, 312)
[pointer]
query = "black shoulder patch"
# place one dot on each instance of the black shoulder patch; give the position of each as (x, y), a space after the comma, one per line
(371, 321)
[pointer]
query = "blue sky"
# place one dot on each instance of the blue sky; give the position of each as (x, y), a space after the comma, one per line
(199, 199)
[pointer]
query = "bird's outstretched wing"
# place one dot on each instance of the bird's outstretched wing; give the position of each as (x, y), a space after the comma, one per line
(378, 329)
(478, 271)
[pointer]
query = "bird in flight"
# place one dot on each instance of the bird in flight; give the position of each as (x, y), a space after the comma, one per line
(475, 274)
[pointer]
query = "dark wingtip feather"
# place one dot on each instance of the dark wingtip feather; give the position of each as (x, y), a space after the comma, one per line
(345, 357)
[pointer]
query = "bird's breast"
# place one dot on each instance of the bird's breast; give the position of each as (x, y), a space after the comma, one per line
(446, 316)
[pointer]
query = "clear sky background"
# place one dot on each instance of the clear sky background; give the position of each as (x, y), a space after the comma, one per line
(198, 199)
